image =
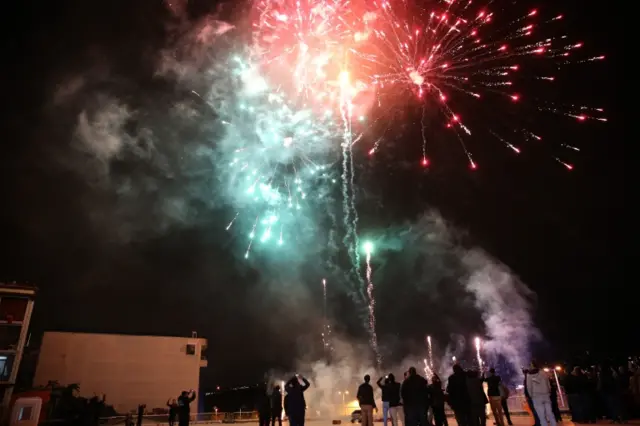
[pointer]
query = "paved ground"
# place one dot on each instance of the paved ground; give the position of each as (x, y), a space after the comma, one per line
(517, 421)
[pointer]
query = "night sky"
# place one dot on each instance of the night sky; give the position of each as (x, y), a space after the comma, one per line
(562, 232)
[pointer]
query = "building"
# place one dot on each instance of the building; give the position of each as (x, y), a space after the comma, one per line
(129, 370)
(16, 306)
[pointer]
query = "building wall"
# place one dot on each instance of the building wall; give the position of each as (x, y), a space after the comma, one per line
(130, 370)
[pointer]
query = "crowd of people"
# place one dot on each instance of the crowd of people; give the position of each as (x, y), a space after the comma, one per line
(591, 394)
(270, 407)
(603, 391)
(179, 408)
(416, 402)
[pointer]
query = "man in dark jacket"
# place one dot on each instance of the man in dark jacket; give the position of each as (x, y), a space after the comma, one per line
(415, 397)
(295, 405)
(495, 399)
(478, 399)
(390, 399)
(458, 392)
(436, 396)
(184, 411)
(366, 401)
(575, 387)
(276, 406)
(140, 414)
(264, 407)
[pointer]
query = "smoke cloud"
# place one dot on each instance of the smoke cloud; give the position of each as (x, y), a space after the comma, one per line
(484, 285)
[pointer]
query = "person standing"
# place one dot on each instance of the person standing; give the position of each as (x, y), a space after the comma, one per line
(504, 402)
(276, 406)
(140, 414)
(415, 397)
(478, 399)
(554, 399)
(390, 398)
(458, 392)
(366, 401)
(173, 409)
(527, 395)
(264, 407)
(540, 391)
(436, 397)
(184, 411)
(574, 386)
(395, 407)
(295, 405)
(495, 400)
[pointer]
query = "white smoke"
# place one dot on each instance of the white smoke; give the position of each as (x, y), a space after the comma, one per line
(505, 305)
(503, 302)
(102, 134)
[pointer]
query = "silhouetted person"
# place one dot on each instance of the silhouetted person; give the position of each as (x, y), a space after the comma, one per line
(610, 391)
(264, 407)
(184, 409)
(415, 397)
(390, 399)
(366, 401)
(294, 402)
(436, 397)
(276, 406)
(458, 392)
(495, 400)
(574, 387)
(592, 401)
(555, 409)
(478, 399)
(141, 408)
(173, 411)
(382, 383)
(286, 406)
(504, 399)
(94, 409)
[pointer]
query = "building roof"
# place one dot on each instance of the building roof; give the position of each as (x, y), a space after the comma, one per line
(123, 334)
(18, 289)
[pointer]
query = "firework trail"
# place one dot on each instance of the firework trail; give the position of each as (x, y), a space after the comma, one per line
(326, 327)
(325, 343)
(428, 369)
(478, 356)
(430, 352)
(368, 247)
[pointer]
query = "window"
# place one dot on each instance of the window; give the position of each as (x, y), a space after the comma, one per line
(25, 413)
(191, 349)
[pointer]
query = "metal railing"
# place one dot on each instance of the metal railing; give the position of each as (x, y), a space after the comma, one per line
(516, 403)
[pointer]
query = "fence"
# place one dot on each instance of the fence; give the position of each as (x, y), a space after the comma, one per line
(516, 404)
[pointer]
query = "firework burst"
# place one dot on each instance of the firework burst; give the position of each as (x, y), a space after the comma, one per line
(276, 156)
(468, 61)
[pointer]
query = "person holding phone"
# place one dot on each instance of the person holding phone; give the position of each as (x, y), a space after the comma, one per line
(295, 404)
(184, 410)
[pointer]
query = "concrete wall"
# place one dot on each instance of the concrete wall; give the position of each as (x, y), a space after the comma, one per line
(130, 370)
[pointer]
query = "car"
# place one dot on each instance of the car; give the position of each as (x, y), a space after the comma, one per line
(356, 416)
